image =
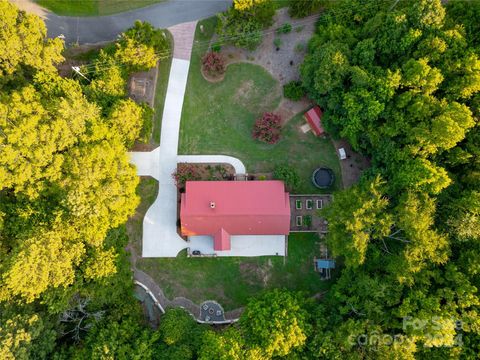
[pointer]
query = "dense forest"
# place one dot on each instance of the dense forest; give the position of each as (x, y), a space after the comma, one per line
(399, 79)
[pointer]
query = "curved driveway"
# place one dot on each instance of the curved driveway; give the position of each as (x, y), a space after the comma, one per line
(105, 28)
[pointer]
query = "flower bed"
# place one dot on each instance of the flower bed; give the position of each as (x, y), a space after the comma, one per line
(202, 172)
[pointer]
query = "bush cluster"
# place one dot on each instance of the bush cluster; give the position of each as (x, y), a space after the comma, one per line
(213, 63)
(267, 128)
(184, 173)
(284, 29)
(293, 90)
(288, 175)
(302, 8)
(242, 24)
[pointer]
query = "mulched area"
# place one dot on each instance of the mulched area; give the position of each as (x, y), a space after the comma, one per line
(353, 166)
(209, 172)
(283, 64)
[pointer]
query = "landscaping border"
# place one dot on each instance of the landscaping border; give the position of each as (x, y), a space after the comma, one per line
(180, 302)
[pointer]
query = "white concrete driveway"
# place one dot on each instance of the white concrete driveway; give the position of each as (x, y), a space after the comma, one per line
(241, 245)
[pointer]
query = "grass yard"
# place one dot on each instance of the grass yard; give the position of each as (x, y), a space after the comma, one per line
(233, 280)
(93, 7)
(147, 190)
(217, 118)
(161, 92)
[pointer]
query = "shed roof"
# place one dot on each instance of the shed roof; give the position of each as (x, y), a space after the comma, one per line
(224, 208)
(325, 264)
(313, 117)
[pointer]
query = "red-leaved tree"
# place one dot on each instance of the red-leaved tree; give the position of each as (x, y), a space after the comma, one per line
(213, 63)
(267, 128)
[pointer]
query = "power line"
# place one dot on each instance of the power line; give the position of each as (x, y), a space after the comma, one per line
(97, 67)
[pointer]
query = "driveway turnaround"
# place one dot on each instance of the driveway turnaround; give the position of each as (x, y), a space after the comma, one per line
(95, 29)
(241, 245)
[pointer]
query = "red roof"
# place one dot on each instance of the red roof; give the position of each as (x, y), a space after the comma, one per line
(224, 208)
(314, 117)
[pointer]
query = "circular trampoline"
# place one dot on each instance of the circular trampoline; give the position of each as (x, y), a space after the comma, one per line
(323, 178)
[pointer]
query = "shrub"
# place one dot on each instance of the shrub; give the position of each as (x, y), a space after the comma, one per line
(241, 31)
(288, 175)
(242, 24)
(213, 63)
(300, 47)
(145, 33)
(140, 47)
(147, 127)
(267, 128)
(277, 43)
(293, 90)
(184, 173)
(261, 10)
(302, 8)
(284, 29)
(216, 47)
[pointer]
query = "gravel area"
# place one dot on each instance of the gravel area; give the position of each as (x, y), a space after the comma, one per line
(282, 61)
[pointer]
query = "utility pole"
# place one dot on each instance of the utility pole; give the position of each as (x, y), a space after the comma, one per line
(77, 70)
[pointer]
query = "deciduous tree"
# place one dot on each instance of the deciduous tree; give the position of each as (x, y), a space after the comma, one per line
(277, 322)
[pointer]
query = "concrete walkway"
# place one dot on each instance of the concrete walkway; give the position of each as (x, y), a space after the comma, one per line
(160, 238)
(214, 159)
(95, 29)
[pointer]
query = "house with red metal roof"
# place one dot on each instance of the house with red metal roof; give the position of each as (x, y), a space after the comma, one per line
(314, 119)
(240, 210)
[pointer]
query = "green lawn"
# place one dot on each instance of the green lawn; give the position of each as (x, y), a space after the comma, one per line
(161, 92)
(218, 119)
(147, 190)
(93, 7)
(233, 280)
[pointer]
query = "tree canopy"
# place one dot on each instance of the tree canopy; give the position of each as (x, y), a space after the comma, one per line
(66, 189)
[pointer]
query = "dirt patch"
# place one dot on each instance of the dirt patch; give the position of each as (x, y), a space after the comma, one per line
(244, 92)
(254, 274)
(353, 166)
(141, 86)
(139, 146)
(283, 63)
(287, 109)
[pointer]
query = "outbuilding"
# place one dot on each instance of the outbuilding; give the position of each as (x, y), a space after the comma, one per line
(314, 119)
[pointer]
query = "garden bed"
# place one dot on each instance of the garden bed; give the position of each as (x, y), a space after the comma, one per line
(202, 172)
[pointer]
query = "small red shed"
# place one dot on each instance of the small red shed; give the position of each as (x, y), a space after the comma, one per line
(314, 119)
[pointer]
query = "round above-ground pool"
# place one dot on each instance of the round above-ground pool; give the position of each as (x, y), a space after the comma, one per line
(323, 178)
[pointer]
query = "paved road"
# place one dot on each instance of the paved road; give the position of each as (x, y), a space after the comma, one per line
(104, 28)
